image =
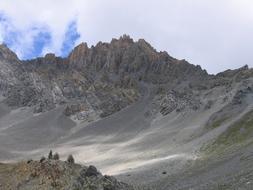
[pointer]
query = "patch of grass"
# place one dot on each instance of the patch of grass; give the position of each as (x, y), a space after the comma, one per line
(240, 131)
(236, 135)
(217, 123)
(223, 187)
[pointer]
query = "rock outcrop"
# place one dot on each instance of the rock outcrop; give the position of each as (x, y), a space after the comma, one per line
(55, 174)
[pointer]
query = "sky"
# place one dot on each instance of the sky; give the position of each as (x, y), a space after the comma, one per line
(215, 34)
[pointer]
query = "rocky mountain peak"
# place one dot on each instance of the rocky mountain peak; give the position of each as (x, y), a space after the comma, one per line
(78, 53)
(50, 56)
(145, 44)
(7, 54)
(126, 38)
(124, 56)
(80, 49)
(123, 41)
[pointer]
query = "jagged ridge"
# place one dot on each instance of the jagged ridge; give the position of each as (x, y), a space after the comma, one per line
(104, 78)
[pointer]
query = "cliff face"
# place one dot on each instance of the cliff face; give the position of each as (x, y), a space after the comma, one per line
(104, 78)
(136, 59)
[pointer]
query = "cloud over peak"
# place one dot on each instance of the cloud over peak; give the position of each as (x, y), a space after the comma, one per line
(214, 34)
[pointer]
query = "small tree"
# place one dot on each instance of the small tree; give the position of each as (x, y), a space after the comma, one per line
(50, 155)
(42, 159)
(56, 156)
(70, 159)
(29, 161)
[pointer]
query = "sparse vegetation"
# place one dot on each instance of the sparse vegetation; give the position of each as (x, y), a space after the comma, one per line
(217, 123)
(237, 134)
(240, 131)
(42, 159)
(70, 159)
(50, 155)
(56, 156)
(55, 174)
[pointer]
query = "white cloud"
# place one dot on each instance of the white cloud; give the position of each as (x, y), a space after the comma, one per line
(25, 15)
(1, 34)
(214, 34)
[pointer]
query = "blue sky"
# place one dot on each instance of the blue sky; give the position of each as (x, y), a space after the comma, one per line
(41, 37)
(70, 38)
(215, 34)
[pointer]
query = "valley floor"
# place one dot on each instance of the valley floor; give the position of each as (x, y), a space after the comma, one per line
(161, 152)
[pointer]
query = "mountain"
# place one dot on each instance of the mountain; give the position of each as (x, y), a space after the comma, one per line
(134, 112)
(104, 77)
